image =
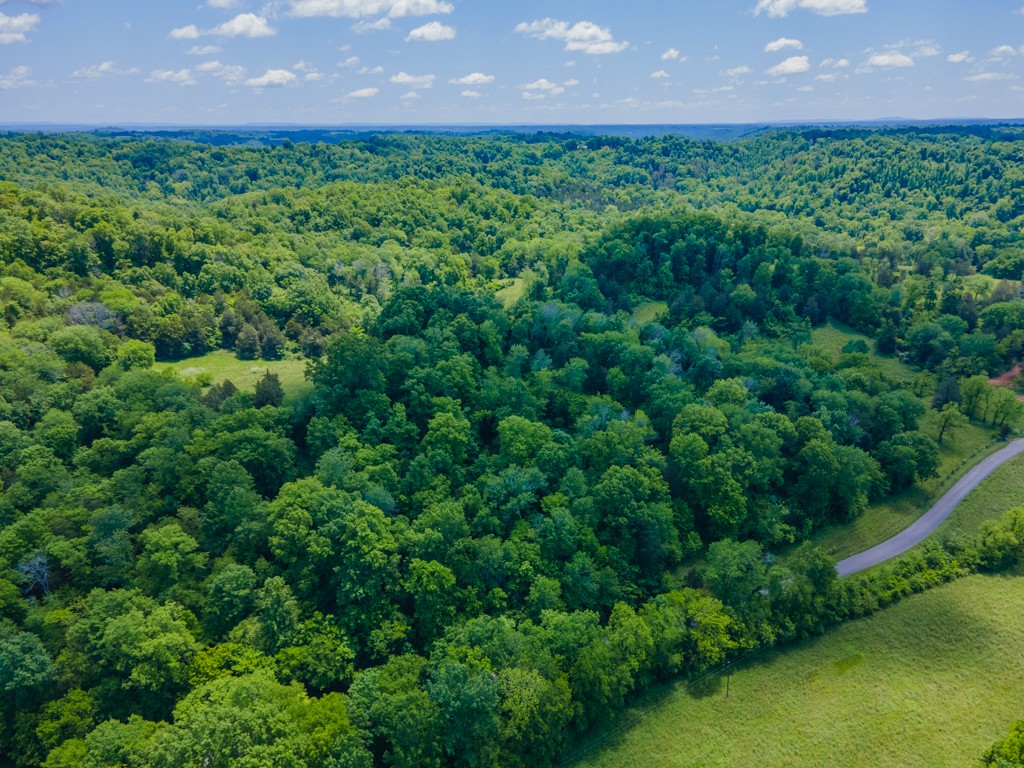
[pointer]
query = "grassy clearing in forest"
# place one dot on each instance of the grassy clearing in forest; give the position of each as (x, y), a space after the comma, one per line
(833, 336)
(928, 683)
(648, 311)
(512, 292)
(221, 365)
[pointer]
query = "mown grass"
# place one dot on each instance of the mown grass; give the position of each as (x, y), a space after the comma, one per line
(221, 365)
(929, 683)
(648, 311)
(1001, 491)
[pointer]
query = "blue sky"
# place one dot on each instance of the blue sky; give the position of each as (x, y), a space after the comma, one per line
(470, 61)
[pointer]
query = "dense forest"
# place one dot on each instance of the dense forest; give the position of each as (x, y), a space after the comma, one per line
(566, 431)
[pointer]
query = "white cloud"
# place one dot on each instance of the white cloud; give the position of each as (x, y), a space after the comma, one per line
(471, 94)
(987, 77)
(928, 49)
(357, 9)
(541, 89)
(96, 71)
(571, 83)
(1003, 51)
(372, 26)
(432, 32)
(780, 8)
(794, 65)
(14, 29)
(410, 95)
(272, 78)
(582, 36)
(19, 77)
(719, 89)
(413, 81)
(229, 73)
(737, 71)
(670, 55)
(783, 42)
(960, 58)
(371, 71)
(659, 74)
(351, 61)
(830, 77)
(364, 93)
(190, 32)
(474, 78)
(204, 50)
(177, 77)
(889, 60)
(223, 3)
(837, 63)
(244, 25)
(805, 89)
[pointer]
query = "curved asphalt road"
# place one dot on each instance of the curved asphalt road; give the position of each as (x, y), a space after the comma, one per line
(925, 525)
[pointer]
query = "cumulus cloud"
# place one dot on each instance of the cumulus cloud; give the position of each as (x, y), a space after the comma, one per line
(371, 71)
(15, 29)
(794, 65)
(541, 89)
(364, 93)
(432, 32)
(96, 71)
(204, 50)
(928, 49)
(19, 77)
(176, 77)
(659, 74)
(584, 36)
(272, 78)
(229, 73)
(960, 58)
(837, 63)
(413, 81)
(1002, 51)
(737, 71)
(474, 78)
(780, 8)
(357, 9)
(223, 3)
(351, 61)
(783, 42)
(244, 25)
(670, 55)
(189, 32)
(471, 94)
(889, 60)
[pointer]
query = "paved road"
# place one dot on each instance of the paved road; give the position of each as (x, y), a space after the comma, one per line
(925, 525)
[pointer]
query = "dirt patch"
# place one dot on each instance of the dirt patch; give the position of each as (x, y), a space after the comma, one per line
(1007, 379)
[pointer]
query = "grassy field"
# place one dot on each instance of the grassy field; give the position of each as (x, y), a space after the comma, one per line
(833, 336)
(511, 293)
(929, 683)
(221, 365)
(1001, 491)
(648, 311)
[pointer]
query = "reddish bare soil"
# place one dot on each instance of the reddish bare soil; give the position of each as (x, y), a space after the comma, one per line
(1007, 379)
